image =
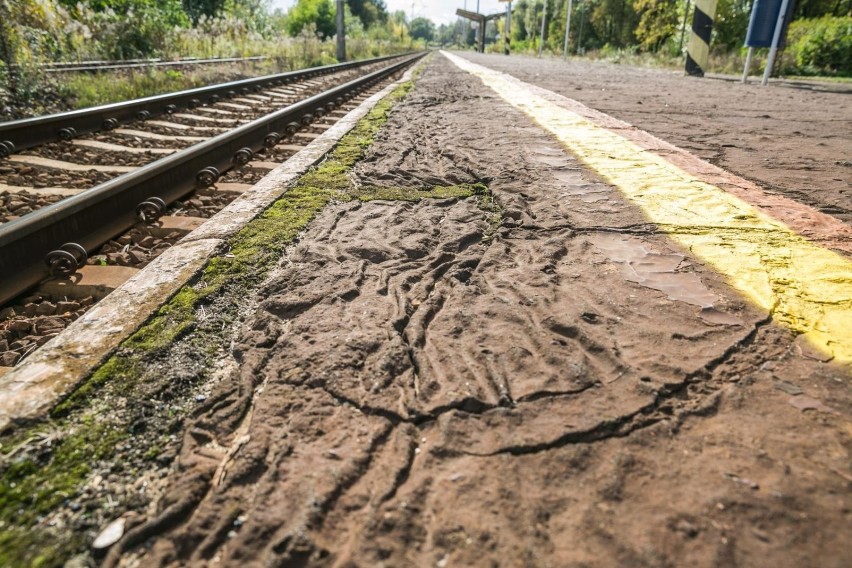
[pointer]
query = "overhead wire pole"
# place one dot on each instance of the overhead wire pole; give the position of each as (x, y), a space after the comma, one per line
(543, 24)
(567, 29)
(341, 33)
(508, 30)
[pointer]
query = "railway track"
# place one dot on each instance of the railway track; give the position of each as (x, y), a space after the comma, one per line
(99, 66)
(182, 159)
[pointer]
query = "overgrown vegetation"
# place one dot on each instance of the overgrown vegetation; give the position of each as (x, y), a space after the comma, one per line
(35, 32)
(819, 38)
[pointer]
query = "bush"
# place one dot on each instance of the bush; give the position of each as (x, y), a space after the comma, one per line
(821, 45)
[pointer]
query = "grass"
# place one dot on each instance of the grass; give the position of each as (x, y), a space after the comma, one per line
(86, 428)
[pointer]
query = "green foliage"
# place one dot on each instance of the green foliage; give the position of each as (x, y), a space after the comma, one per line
(614, 22)
(658, 22)
(422, 28)
(317, 13)
(822, 45)
(730, 24)
(370, 12)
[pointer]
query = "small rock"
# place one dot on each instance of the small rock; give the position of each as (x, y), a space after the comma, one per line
(4, 345)
(46, 309)
(685, 527)
(30, 309)
(111, 534)
(116, 258)
(20, 325)
(66, 307)
(45, 325)
(9, 358)
(45, 338)
(148, 242)
(7, 313)
(136, 257)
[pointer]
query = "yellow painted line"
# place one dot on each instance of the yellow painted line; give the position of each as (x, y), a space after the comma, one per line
(806, 287)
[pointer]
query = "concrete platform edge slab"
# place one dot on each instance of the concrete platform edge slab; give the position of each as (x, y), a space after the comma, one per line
(35, 386)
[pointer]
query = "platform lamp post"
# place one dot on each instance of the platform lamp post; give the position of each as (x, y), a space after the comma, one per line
(567, 29)
(341, 33)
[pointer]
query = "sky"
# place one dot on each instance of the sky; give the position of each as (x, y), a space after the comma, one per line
(439, 11)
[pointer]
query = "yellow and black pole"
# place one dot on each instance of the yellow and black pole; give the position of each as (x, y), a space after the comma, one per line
(698, 48)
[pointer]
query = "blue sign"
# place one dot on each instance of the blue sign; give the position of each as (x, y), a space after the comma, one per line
(761, 25)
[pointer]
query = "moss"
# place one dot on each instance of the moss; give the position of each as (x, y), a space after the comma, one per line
(117, 367)
(29, 488)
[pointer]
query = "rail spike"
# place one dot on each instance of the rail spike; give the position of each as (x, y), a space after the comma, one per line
(292, 128)
(271, 140)
(207, 177)
(151, 209)
(68, 134)
(242, 156)
(6, 148)
(65, 260)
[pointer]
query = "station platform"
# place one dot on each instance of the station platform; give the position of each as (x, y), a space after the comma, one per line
(506, 312)
(612, 353)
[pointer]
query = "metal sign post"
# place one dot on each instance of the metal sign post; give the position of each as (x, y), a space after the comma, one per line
(776, 40)
(767, 27)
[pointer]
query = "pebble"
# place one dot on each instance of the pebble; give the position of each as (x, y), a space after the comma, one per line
(19, 325)
(46, 309)
(9, 358)
(111, 534)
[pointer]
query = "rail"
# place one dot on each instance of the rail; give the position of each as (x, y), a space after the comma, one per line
(91, 218)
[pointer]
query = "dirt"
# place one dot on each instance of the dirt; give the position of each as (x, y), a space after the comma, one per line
(787, 138)
(422, 386)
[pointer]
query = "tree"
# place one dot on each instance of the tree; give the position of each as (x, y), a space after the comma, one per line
(370, 12)
(422, 28)
(658, 21)
(319, 12)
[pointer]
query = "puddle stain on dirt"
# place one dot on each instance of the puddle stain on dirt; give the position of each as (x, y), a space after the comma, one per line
(805, 287)
(661, 271)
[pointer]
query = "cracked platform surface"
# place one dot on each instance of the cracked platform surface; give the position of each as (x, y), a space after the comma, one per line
(421, 388)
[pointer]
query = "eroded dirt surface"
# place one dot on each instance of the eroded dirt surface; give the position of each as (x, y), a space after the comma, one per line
(791, 140)
(423, 387)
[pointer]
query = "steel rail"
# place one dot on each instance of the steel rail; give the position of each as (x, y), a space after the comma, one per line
(30, 132)
(96, 66)
(105, 64)
(97, 215)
